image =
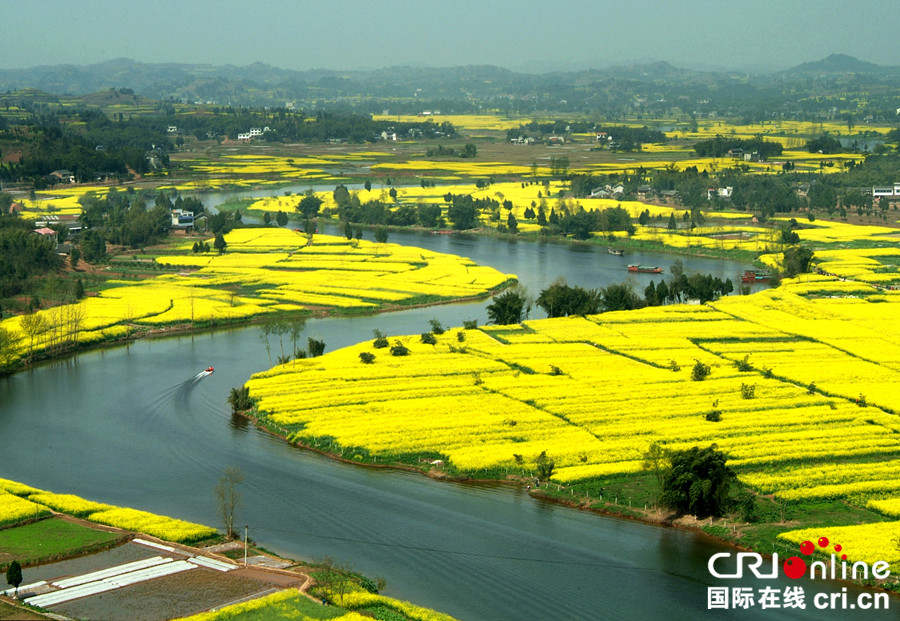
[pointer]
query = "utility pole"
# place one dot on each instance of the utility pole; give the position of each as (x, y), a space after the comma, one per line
(245, 545)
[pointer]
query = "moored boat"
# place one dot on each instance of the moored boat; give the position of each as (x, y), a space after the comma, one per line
(751, 276)
(645, 269)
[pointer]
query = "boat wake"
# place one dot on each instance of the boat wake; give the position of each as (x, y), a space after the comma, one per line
(202, 374)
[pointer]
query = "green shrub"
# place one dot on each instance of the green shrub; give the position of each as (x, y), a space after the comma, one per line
(380, 339)
(748, 391)
(399, 349)
(700, 371)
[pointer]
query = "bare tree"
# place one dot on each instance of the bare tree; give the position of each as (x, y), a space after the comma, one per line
(333, 578)
(229, 498)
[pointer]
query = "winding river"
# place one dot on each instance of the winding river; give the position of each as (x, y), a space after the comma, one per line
(128, 425)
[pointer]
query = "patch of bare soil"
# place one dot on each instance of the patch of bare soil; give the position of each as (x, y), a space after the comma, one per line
(173, 596)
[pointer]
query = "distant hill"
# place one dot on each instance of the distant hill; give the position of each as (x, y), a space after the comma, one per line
(657, 88)
(839, 63)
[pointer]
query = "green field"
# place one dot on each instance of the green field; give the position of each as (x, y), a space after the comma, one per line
(51, 539)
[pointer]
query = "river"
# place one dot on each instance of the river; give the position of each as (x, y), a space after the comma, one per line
(127, 425)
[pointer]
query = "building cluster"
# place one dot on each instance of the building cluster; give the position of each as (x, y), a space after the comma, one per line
(255, 132)
(888, 192)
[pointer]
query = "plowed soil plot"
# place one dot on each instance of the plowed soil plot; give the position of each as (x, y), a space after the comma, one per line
(164, 598)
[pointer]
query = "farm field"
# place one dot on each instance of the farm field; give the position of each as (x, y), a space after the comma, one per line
(52, 538)
(803, 421)
(264, 272)
(169, 529)
(791, 396)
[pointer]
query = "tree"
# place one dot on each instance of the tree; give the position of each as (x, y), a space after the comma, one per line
(33, 325)
(281, 218)
(333, 579)
(341, 196)
(399, 349)
(508, 307)
(512, 224)
(544, 466)
(239, 399)
(14, 576)
(428, 215)
(380, 339)
(463, 213)
(93, 246)
(620, 296)
(656, 459)
(698, 481)
(75, 257)
(316, 347)
(796, 260)
(9, 343)
(561, 300)
(220, 243)
(368, 185)
(229, 498)
(700, 371)
(381, 234)
(309, 205)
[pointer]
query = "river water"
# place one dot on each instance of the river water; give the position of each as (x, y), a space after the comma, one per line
(128, 425)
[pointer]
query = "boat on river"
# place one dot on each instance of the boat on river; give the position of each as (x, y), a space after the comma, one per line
(616, 251)
(645, 269)
(751, 276)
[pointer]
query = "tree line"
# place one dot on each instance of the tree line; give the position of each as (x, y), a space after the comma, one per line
(720, 146)
(562, 300)
(624, 138)
(88, 144)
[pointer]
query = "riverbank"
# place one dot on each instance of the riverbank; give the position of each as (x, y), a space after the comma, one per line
(729, 530)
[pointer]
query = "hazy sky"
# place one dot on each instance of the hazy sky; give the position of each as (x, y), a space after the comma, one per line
(517, 34)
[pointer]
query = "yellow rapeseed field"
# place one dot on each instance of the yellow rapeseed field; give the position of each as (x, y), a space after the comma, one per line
(595, 392)
(19, 502)
(263, 271)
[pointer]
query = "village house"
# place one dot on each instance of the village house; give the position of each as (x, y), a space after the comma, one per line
(49, 234)
(724, 193)
(182, 219)
(63, 176)
(888, 192)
